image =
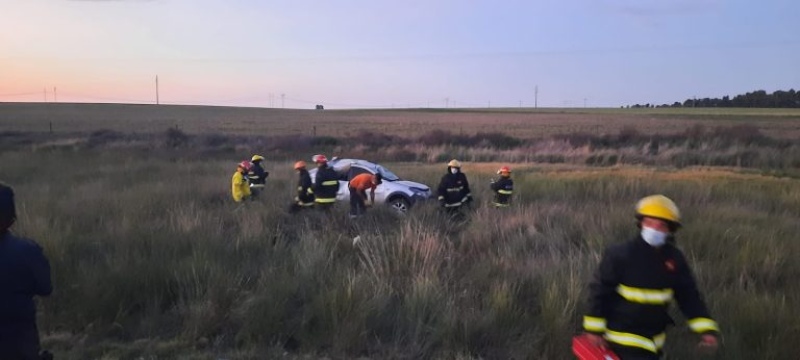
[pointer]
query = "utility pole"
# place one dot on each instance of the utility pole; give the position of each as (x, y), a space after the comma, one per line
(283, 98)
(45, 94)
(158, 101)
(55, 97)
(536, 97)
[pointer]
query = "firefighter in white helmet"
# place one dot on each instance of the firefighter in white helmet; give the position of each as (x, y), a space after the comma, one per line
(636, 282)
(454, 189)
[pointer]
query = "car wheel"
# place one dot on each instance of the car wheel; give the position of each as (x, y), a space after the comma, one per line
(399, 204)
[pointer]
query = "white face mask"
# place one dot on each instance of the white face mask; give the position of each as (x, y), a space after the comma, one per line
(454, 170)
(654, 237)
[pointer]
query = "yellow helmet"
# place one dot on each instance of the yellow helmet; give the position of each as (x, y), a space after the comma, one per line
(454, 163)
(659, 207)
(256, 158)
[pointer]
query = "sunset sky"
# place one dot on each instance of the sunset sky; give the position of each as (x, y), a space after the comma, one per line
(418, 53)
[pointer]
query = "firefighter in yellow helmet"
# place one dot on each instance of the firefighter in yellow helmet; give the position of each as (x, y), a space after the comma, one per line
(239, 188)
(635, 283)
(256, 175)
(503, 188)
(454, 189)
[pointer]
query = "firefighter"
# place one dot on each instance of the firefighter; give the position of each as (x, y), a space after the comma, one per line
(24, 273)
(305, 196)
(239, 188)
(635, 283)
(454, 188)
(326, 183)
(256, 175)
(358, 192)
(503, 188)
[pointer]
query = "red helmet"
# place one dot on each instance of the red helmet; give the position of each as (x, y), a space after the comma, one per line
(245, 165)
(504, 170)
(319, 158)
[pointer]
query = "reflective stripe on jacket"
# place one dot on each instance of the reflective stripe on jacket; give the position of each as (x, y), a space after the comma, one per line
(453, 189)
(326, 185)
(257, 176)
(503, 189)
(305, 195)
(632, 290)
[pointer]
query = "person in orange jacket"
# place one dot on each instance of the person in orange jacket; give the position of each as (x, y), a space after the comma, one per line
(358, 192)
(635, 283)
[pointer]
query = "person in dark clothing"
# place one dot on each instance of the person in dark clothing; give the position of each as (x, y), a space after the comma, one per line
(635, 283)
(503, 188)
(454, 189)
(305, 196)
(256, 176)
(358, 192)
(326, 184)
(24, 273)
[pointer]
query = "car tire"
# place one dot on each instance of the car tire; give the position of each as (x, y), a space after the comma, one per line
(399, 204)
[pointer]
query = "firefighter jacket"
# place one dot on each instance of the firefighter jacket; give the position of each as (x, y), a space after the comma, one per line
(632, 290)
(305, 196)
(503, 189)
(239, 187)
(454, 189)
(257, 176)
(326, 185)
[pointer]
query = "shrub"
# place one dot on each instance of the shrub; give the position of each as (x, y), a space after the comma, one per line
(174, 138)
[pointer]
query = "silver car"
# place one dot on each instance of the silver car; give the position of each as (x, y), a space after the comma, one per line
(395, 192)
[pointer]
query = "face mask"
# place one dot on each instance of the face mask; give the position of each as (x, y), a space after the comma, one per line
(654, 237)
(454, 170)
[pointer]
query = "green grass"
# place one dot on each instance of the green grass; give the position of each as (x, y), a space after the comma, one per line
(152, 259)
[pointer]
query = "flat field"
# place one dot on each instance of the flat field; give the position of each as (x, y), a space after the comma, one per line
(519, 122)
(151, 258)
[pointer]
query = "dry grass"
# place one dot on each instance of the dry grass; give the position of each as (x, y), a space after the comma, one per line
(151, 259)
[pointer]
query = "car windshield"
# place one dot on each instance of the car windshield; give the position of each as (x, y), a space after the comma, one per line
(387, 175)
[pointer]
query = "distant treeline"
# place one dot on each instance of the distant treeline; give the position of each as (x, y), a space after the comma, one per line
(755, 99)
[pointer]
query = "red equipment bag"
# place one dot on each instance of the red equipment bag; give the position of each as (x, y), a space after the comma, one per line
(585, 350)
